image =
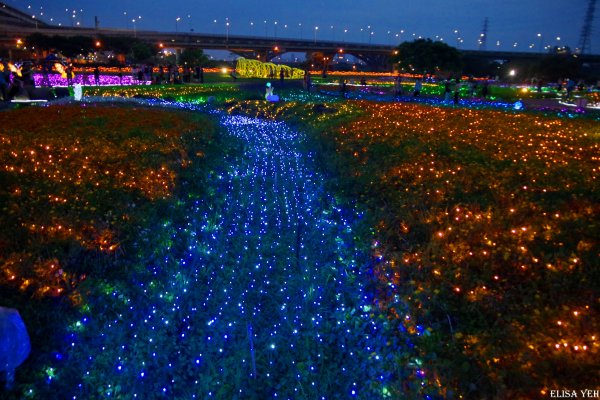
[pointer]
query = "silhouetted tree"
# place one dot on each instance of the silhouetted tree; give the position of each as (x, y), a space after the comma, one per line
(141, 51)
(558, 66)
(69, 46)
(121, 45)
(425, 55)
(193, 57)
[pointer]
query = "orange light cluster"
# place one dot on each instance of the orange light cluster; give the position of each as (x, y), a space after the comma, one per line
(492, 210)
(73, 175)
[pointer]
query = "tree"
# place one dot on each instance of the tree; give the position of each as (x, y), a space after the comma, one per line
(557, 66)
(40, 41)
(72, 46)
(142, 51)
(425, 55)
(69, 46)
(118, 44)
(193, 57)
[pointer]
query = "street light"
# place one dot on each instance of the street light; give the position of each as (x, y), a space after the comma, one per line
(300, 26)
(134, 31)
(177, 24)
(399, 36)
(227, 29)
(316, 30)
(539, 35)
(275, 30)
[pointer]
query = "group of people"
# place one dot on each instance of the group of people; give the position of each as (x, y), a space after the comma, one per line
(399, 90)
(165, 74)
(452, 88)
(570, 86)
(13, 79)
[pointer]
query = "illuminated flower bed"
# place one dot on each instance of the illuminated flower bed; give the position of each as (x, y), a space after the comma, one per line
(487, 233)
(147, 255)
(237, 277)
(181, 93)
(82, 188)
(59, 162)
(87, 80)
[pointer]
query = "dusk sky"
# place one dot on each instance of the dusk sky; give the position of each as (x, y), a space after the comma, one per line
(513, 24)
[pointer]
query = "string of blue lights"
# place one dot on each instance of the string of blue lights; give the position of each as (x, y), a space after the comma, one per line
(260, 293)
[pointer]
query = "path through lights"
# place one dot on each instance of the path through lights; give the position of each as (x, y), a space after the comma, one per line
(267, 293)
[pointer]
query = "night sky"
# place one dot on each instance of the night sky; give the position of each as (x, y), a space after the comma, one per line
(510, 21)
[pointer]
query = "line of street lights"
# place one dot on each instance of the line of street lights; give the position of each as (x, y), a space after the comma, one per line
(74, 15)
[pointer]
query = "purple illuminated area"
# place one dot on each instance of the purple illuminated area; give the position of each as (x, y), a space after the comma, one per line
(105, 80)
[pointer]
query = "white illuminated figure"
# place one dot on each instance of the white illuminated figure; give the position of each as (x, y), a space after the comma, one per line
(269, 96)
(77, 92)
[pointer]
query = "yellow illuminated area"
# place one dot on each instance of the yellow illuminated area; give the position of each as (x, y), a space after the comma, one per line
(257, 69)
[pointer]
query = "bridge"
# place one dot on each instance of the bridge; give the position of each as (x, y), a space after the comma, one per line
(15, 24)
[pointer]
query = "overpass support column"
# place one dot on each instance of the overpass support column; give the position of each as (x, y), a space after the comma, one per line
(177, 55)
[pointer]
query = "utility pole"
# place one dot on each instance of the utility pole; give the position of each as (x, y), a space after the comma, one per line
(585, 39)
(484, 33)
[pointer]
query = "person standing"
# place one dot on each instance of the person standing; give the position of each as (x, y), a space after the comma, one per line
(398, 86)
(457, 86)
(417, 89)
(305, 80)
(45, 75)
(343, 88)
(485, 89)
(97, 76)
(447, 91)
(4, 81)
(570, 87)
(161, 75)
(69, 71)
